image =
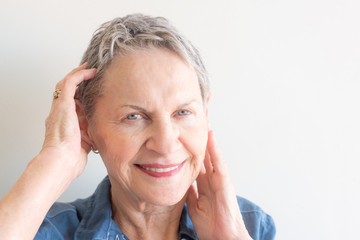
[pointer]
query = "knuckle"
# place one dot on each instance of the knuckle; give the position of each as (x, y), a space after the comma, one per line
(68, 79)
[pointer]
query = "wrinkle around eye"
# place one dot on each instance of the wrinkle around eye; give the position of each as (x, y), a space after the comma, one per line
(188, 116)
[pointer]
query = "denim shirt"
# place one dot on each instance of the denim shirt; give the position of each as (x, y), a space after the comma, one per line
(91, 218)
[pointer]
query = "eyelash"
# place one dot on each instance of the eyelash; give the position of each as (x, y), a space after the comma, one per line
(133, 114)
(140, 116)
(184, 110)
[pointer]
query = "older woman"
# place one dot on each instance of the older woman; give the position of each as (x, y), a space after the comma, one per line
(140, 100)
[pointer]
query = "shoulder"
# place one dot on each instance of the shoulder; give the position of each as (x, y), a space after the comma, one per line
(62, 220)
(259, 224)
(88, 218)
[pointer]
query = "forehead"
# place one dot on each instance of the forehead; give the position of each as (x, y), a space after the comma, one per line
(145, 74)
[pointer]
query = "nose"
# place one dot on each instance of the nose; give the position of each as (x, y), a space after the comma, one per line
(164, 137)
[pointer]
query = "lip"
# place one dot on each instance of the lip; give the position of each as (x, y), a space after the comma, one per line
(160, 166)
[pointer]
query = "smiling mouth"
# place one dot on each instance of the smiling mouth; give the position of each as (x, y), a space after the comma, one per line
(158, 170)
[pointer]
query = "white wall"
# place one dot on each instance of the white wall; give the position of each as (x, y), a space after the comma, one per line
(285, 107)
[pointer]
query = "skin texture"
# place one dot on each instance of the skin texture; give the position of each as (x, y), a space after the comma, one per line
(151, 112)
(213, 209)
(64, 155)
(168, 125)
(162, 96)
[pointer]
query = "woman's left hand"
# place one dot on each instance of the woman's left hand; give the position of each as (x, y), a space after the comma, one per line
(213, 208)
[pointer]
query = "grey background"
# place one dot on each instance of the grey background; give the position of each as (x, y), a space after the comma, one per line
(285, 96)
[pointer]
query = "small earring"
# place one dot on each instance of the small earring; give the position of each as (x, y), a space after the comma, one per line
(94, 151)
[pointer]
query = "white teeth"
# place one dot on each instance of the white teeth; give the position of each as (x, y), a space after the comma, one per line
(160, 169)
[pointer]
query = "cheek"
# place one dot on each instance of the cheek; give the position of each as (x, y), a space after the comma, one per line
(195, 140)
(117, 148)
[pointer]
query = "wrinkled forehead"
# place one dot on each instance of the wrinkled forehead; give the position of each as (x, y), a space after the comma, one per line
(149, 66)
(150, 74)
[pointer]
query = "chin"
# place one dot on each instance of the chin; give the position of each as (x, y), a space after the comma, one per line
(166, 197)
(166, 191)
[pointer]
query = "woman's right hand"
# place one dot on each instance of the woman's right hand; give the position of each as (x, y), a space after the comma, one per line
(62, 159)
(63, 142)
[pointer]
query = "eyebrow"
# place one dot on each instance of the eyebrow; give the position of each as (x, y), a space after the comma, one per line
(134, 107)
(144, 110)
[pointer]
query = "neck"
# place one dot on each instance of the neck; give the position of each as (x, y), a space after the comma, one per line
(139, 219)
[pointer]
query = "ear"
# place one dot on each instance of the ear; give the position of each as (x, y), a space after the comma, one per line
(84, 126)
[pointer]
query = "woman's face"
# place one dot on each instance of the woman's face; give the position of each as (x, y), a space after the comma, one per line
(150, 126)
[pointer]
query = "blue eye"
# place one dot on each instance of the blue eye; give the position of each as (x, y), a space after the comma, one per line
(183, 112)
(133, 116)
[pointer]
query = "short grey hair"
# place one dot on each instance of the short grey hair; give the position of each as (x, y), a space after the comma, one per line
(130, 33)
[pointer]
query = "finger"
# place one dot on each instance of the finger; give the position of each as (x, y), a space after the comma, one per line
(69, 84)
(191, 200)
(216, 157)
(202, 183)
(82, 75)
(82, 66)
(60, 84)
(208, 164)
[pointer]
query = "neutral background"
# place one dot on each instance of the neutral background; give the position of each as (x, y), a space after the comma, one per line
(285, 103)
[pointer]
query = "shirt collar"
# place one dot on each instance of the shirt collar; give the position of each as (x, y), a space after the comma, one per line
(97, 222)
(186, 228)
